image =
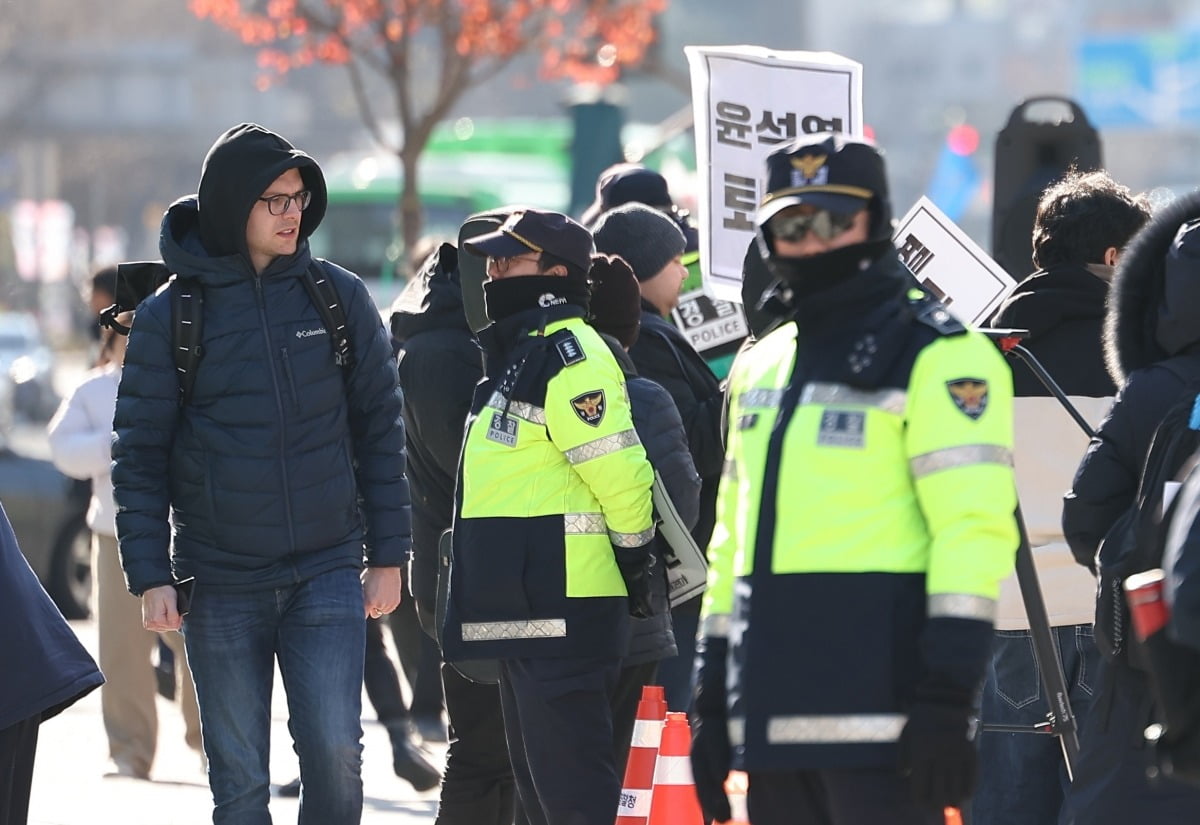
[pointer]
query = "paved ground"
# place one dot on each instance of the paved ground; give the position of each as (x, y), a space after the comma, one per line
(70, 786)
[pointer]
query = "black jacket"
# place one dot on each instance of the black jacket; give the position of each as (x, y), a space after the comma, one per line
(45, 667)
(280, 467)
(1063, 311)
(440, 364)
(1153, 318)
(661, 432)
(663, 355)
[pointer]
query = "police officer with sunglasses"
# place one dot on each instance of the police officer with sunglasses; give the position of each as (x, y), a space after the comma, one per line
(864, 521)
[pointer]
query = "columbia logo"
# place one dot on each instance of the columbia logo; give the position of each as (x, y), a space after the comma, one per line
(309, 333)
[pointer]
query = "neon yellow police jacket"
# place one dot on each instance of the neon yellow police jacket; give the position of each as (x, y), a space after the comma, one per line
(552, 476)
(864, 521)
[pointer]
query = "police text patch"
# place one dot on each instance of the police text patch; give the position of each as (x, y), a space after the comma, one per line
(970, 395)
(842, 428)
(589, 407)
(503, 430)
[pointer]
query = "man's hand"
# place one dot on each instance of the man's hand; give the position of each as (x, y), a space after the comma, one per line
(159, 610)
(381, 590)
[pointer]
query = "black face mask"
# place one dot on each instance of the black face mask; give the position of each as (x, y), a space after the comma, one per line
(816, 273)
(509, 296)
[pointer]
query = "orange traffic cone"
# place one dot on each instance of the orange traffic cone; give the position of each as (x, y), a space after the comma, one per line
(674, 801)
(634, 805)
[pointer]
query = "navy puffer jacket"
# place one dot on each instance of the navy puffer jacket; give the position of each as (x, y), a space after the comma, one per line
(280, 467)
(660, 429)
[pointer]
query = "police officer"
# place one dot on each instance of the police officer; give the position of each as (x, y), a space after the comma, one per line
(553, 520)
(865, 518)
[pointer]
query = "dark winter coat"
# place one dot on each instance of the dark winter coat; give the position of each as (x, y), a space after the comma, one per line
(1153, 318)
(280, 467)
(664, 356)
(661, 432)
(45, 668)
(440, 364)
(1063, 311)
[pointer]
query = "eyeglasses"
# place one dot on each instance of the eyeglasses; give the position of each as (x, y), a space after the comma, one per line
(824, 224)
(502, 264)
(280, 204)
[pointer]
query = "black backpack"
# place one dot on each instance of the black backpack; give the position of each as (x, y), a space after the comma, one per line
(137, 280)
(1135, 541)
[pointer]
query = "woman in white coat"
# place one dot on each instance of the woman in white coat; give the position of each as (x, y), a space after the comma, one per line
(81, 446)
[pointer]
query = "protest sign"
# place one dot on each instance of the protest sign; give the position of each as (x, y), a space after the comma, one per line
(950, 265)
(747, 101)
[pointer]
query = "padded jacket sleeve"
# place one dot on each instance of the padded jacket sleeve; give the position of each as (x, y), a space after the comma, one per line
(144, 425)
(1107, 479)
(377, 428)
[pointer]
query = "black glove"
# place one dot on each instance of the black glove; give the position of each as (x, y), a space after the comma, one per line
(712, 755)
(938, 755)
(635, 564)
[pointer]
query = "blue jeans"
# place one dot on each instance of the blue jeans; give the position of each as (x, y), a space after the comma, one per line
(1022, 777)
(316, 630)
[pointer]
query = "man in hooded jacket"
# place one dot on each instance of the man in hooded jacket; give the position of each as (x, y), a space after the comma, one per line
(1152, 350)
(273, 486)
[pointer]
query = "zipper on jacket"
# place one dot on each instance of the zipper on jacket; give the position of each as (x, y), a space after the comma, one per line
(291, 378)
(261, 300)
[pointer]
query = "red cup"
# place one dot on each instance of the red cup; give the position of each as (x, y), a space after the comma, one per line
(1148, 608)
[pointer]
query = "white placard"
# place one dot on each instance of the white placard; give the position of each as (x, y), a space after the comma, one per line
(747, 101)
(951, 265)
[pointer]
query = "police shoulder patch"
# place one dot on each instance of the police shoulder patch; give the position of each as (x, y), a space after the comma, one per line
(970, 395)
(589, 407)
(568, 347)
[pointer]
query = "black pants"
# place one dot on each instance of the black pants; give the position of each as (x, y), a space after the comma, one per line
(18, 743)
(625, 700)
(1110, 786)
(835, 797)
(381, 681)
(675, 672)
(478, 786)
(558, 724)
(419, 659)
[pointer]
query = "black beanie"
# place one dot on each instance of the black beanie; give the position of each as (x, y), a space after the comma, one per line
(616, 305)
(646, 238)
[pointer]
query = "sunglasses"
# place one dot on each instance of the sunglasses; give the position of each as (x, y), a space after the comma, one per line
(824, 224)
(502, 264)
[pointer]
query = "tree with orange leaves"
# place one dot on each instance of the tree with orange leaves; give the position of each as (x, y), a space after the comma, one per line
(431, 51)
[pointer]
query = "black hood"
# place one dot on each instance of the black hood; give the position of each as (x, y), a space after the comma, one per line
(237, 170)
(1051, 297)
(1154, 305)
(433, 299)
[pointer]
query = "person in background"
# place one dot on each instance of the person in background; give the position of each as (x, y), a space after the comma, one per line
(440, 363)
(624, 183)
(278, 486)
(1082, 223)
(55, 672)
(652, 245)
(615, 312)
(1152, 351)
(80, 438)
(865, 520)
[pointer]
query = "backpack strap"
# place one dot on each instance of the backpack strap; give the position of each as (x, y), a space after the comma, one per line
(187, 329)
(325, 298)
